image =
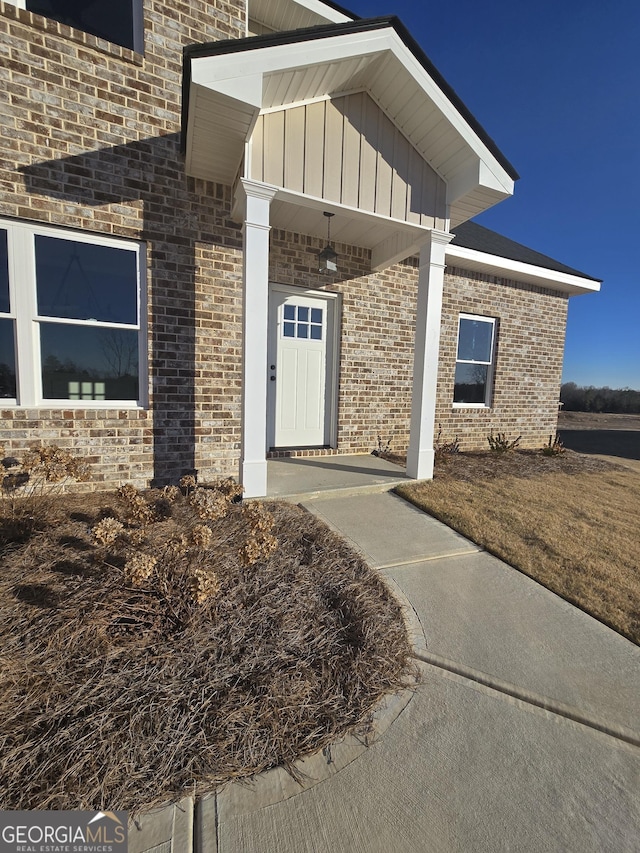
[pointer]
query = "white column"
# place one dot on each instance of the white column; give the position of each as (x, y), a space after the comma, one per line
(253, 467)
(420, 455)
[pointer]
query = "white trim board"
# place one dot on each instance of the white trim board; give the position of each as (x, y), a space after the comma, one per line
(472, 259)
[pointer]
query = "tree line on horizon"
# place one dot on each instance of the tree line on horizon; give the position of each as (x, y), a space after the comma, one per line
(576, 398)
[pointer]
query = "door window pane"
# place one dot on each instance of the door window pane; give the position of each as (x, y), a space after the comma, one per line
(80, 281)
(474, 341)
(88, 363)
(7, 360)
(289, 312)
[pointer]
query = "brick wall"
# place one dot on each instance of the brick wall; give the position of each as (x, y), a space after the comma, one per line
(377, 327)
(90, 141)
(528, 368)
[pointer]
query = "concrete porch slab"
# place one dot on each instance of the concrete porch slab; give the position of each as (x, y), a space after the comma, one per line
(304, 478)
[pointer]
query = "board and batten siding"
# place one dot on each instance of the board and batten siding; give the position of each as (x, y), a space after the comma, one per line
(346, 150)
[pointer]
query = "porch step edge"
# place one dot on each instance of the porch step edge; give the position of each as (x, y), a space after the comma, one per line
(340, 492)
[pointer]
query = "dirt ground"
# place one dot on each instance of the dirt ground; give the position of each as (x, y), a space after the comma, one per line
(589, 420)
(614, 437)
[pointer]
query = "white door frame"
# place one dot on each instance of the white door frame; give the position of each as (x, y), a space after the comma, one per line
(334, 300)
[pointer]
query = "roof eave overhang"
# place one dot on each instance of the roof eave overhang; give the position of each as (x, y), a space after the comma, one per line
(278, 15)
(472, 259)
(227, 84)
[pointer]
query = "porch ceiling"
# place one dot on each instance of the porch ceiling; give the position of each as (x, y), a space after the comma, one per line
(227, 84)
(390, 240)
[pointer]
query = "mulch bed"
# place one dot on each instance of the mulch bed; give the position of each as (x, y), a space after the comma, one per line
(122, 697)
(518, 463)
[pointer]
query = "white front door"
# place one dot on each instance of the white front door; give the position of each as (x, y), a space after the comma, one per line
(301, 348)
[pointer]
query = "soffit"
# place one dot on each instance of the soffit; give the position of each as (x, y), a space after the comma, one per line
(282, 15)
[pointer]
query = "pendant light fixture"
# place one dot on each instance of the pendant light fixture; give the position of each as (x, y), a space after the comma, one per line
(327, 258)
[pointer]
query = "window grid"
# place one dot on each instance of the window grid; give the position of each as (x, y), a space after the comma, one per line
(474, 375)
(302, 322)
(29, 324)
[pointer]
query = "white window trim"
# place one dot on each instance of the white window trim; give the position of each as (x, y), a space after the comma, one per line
(491, 364)
(23, 310)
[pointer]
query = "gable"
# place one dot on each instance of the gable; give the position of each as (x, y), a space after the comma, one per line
(346, 150)
(228, 85)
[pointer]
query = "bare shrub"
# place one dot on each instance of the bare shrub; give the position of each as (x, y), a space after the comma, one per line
(501, 444)
(444, 449)
(554, 447)
(28, 486)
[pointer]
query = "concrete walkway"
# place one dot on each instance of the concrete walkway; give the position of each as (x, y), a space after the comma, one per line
(523, 735)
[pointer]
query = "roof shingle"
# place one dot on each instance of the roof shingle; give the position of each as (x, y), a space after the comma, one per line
(470, 235)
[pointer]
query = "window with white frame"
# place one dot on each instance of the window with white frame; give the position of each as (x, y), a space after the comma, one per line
(118, 21)
(70, 326)
(474, 360)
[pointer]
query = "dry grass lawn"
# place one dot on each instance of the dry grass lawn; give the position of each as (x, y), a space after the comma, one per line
(570, 522)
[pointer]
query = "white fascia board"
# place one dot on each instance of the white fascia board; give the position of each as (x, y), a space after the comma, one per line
(276, 14)
(528, 273)
(209, 70)
(247, 90)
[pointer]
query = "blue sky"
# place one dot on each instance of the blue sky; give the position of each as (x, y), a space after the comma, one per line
(556, 83)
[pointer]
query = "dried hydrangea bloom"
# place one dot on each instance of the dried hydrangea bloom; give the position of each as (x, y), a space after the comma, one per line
(138, 510)
(30, 460)
(188, 482)
(204, 584)
(139, 568)
(201, 536)
(209, 504)
(257, 517)
(127, 491)
(107, 531)
(53, 464)
(229, 488)
(257, 548)
(171, 493)
(137, 537)
(176, 546)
